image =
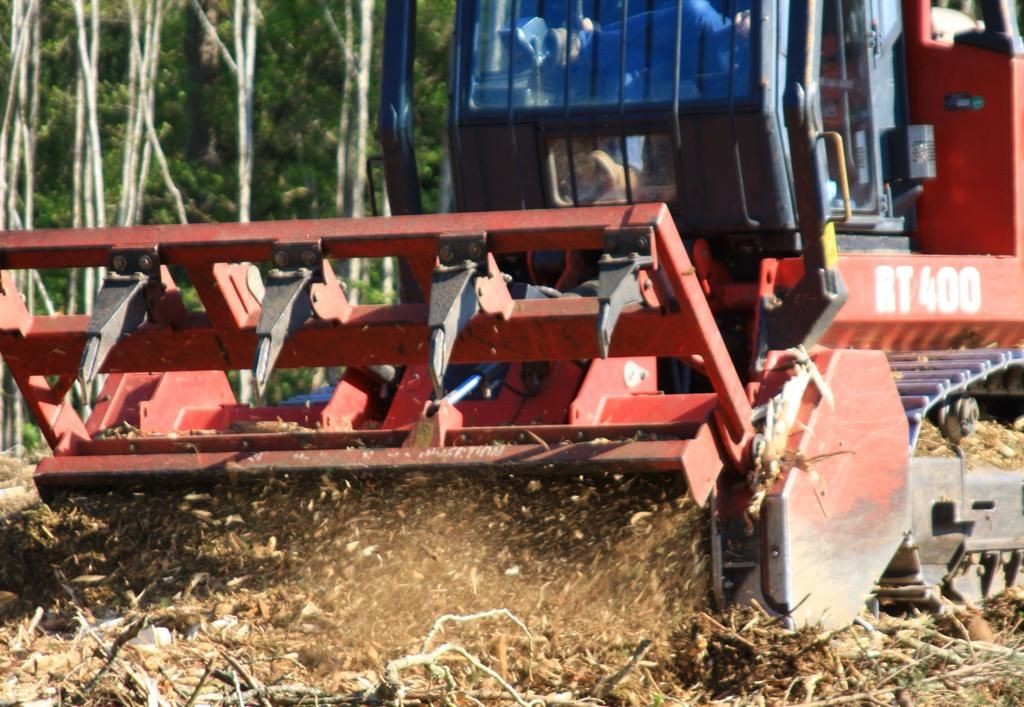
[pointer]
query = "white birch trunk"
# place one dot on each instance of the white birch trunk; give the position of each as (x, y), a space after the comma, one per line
(243, 66)
(446, 199)
(78, 157)
(18, 129)
(133, 123)
(245, 58)
(33, 119)
(362, 105)
(343, 156)
(88, 57)
(145, 143)
(19, 41)
(356, 163)
(350, 269)
(17, 52)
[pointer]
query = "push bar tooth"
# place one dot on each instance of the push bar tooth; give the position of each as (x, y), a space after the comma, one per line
(626, 252)
(286, 305)
(122, 306)
(453, 299)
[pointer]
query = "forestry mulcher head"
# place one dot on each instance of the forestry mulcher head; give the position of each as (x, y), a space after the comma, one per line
(570, 341)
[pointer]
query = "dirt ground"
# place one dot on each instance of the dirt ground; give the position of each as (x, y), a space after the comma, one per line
(334, 592)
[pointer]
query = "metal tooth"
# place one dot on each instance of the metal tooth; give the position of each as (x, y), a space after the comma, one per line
(286, 307)
(90, 362)
(617, 287)
(262, 364)
(453, 302)
(120, 308)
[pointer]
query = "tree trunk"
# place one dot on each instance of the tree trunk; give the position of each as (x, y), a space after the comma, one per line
(143, 143)
(88, 45)
(245, 59)
(362, 105)
(243, 66)
(353, 271)
(350, 269)
(201, 72)
(446, 195)
(133, 124)
(17, 164)
(88, 55)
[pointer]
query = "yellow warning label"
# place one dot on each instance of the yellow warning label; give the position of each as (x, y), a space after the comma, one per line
(828, 245)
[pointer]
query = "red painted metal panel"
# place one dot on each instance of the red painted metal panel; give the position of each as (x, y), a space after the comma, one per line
(350, 404)
(88, 470)
(908, 302)
(411, 236)
(976, 203)
(611, 378)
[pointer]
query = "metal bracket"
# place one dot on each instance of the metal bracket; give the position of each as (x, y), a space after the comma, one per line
(626, 252)
(453, 299)
(130, 290)
(286, 305)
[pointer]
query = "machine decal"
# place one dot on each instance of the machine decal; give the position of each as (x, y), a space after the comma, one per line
(902, 289)
(964, 101)
(462, 452)
(634, 374)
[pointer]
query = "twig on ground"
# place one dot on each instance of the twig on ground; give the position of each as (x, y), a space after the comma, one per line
(468, 618)
(252, 683)
(963, 671)
(199, 685)
(130, 632)
(728, 632)
(394, 687)
(905, 639)
(238, 689)
(607, 684)
(181, 691)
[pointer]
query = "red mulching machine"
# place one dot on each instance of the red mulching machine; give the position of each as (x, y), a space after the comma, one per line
(838, 258)
(486, 375)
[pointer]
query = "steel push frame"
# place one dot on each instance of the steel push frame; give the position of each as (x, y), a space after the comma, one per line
(166, 365)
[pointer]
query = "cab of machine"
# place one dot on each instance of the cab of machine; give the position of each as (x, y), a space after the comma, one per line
(578, 102)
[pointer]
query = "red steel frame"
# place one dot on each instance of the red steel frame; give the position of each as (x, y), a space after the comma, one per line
(167, 377)
(970, 217)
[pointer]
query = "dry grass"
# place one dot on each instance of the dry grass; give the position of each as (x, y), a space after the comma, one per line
(297, 593)
(16, 488)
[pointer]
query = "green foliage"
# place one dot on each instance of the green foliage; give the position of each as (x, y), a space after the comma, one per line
(299, 75)
(433, 50)
(300, 72)
(33, 440)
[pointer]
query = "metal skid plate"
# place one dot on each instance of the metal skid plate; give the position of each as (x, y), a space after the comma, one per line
(166, 406)
(832, 521)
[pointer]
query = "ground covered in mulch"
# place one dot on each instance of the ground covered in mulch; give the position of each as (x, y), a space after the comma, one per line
(993, 444)
(355, 590)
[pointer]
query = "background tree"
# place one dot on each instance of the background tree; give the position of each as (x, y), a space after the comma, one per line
(134, 111)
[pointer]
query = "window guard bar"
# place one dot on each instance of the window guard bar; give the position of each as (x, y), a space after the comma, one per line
(520, 183)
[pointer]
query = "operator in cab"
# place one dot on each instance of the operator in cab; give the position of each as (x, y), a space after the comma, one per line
(634, 57)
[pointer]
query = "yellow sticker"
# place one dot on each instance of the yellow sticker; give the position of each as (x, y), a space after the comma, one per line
(829, 247)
